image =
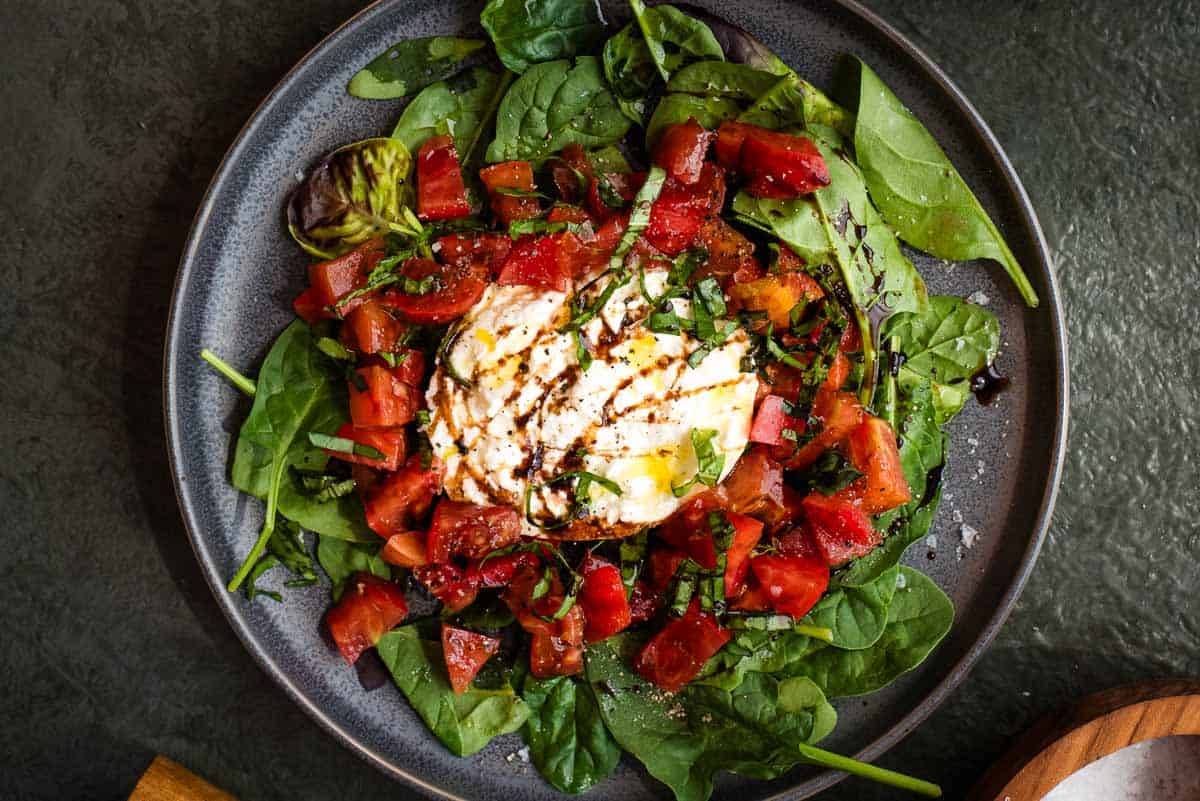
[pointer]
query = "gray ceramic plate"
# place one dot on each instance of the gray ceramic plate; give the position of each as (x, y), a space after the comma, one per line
(240, 272)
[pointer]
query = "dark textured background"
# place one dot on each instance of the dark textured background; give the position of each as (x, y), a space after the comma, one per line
(116, 115)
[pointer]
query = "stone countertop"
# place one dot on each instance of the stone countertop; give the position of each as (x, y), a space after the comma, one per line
(116, 115)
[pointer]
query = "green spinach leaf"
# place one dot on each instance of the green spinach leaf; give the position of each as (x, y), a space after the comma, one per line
(914, 184)
(341, 559)
(947, 344)
(683, 740)
(857, 615)
(298, 391)
(723, 79)
(462, 106)
(630, 71)
(780, 106)
(567, 739)
(527, 32)
(464, 723)
(918, 618)
(356, 193)
(673, 38)
(553, 105)
(411, 65)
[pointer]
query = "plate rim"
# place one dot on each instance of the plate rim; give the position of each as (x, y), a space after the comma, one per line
(1052, 303)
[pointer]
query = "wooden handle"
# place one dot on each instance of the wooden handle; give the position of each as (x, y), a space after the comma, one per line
(165, 780)
(1097, 726)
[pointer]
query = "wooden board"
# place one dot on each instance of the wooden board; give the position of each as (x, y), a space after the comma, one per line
(1097, 726)
(166, 780)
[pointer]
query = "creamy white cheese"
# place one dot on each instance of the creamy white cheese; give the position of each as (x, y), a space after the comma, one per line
(528, 412)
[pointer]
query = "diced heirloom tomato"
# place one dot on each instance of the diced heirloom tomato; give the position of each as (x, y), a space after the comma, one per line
(466, 250)
(777, 295)
(441, 193)
(390, 443)
(840, 528)
(513, 175)
(755, 487)
(746, 533)
(386, 402)
(624, 185)
(730, 254)
(572, 173)
(498, 571)
(466, 529)
(793, 583)
(778, 165)
(556, 647)
(330, 280)
(840, 413)
(455, 288)
(465, 653)
(872, 450)
(679, 211)
(403, 499)
(535, 262)
(681, 149)
(370, 607)
(449, 584)
(602, 596)
(309, 308)
(405, 549)
(675, 655)
(371, 328)
(771, 420)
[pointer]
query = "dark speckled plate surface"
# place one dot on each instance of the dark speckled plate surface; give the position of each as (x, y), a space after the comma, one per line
(240, 271)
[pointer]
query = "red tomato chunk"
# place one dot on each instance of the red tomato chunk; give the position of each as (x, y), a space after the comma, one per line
(441, 193)
(390, 443)
(535, 262)
(403, 499)
(681, 149)
(471, 531)
(465, 653)
(387, 401)
(516, 176)
(675, 655)
(841, 529)
(793, 583)
(369, 608)
(602, 596)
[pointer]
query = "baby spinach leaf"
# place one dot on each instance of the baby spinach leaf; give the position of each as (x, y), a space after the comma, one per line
(914, 184)
(341, 559)
(673, 38)
(757, 651)
(780, 106)
(724, 79)
(709, 111)
(464, 723)
(630, 71)
(462, 106)
(411, 65)
(947, 344)
(567, 739)
(527, 32)
(918, 618)
(553, 105)
(355, 193)
(298, 390)
(857, 615)
(684, 739)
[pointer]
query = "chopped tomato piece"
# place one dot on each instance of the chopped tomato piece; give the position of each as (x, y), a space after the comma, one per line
(840, 528)
(332, 279)
(840, 413)
(390, 443)
(441, 193)
(872, 450)
(679, 211)
(465, 529)
(403, 499)
(643, 602)
(602, 596)
(499, 571)
(468, 250)
(755, 487)
(728, 147)
(788, 261)
(370, 607)
(516, 176)
(753, 597)
(681, 149)
(556, 647)
(675, 655)
(771, 420)
(572, 173)
(370, 328)
(793, 583)
(449, 584)
(776, 295)
(309, 308)
(688, 531)
(452, 290)
(798, 541)
(781, 165)
(619, 187)
(386, 402)
(534, 262)
(567, 214)
(465, 653)
(730, 254)
(746, 533)
(405, 549)
(839, 371)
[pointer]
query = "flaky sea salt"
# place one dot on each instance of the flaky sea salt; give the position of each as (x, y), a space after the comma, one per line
(979, 298)
(968, 535)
